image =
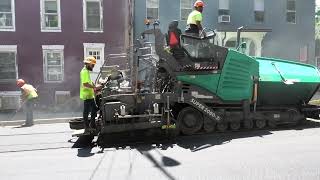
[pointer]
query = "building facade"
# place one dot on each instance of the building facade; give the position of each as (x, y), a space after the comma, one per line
(274, 28)
(45, 42)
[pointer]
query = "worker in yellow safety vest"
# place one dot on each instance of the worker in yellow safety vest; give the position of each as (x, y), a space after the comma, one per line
(87, 93)
(29, 95)
(194, 21)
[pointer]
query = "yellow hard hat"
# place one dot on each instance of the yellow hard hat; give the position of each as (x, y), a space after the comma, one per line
(90, 60)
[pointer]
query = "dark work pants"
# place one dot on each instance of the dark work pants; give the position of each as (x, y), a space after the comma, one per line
(192, 29)
(89, 107)
(98, 103)
(29, 112)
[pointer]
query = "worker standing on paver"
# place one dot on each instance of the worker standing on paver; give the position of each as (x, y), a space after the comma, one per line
(29, 95)
(87, 93)
(194, 21)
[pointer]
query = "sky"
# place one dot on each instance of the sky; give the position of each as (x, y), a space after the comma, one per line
(318, 2)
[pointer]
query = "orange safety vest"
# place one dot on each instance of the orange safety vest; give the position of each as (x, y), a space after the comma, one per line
(173, 40)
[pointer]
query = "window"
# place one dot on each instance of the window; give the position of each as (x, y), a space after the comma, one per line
(291, 11)
(50, 15)
(53, 63)
(259, 11)
(224, 7)
(231, 43)
(8, 67)
(93, 16)
(96, 50)
(7, 15)
(153, 9)
(95, 53)
(185, 9)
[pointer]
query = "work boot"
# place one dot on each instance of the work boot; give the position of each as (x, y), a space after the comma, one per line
(87, 131)
(27, 125)
(93, 126)
(86, 128)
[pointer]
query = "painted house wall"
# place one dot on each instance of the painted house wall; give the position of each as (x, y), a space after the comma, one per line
(284, 41)
(29, 40)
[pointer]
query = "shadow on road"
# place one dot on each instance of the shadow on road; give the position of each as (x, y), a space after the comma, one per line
(147, 145)
(85, 152)
(22, 126)
(306, 125)
(165, 160)
(84, 145)
(200, 142)
(194, 143)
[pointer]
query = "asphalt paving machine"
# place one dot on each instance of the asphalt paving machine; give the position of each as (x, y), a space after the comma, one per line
(186, 84)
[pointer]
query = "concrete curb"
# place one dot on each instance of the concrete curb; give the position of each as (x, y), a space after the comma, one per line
(38, 121)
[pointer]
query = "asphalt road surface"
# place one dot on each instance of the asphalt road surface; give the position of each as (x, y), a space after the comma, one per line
(46, 152)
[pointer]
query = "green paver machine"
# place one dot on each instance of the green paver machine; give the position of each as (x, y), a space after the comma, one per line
(195, 86)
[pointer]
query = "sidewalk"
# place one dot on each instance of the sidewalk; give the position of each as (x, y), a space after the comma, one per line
(15, 119)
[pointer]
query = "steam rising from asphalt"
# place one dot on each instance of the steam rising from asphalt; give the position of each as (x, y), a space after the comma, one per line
(46, 91)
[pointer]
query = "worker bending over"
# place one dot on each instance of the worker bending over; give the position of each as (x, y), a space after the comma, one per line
(29, 95)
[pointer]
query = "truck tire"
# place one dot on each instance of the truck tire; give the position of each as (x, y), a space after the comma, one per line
(209, 126)
(190, 120)
(272, 123)
(261, 123)
(235, 126)
(222, 126)
(248, 124)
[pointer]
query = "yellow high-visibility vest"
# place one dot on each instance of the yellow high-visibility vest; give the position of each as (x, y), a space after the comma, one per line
(30, 91)
(194, 16)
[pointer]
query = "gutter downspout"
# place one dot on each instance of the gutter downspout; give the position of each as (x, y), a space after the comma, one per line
(224, 38)
(238, 36)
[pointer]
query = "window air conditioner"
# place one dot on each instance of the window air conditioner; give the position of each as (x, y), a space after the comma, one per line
(9, 102)
(224, 19)
(61, 97)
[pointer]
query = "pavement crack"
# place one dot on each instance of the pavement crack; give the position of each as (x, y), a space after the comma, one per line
(131, 160)
(30, 134)
(28, 144)
(38, 149)
(97, 167)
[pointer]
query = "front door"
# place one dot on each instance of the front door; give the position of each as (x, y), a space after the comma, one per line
(96, 50)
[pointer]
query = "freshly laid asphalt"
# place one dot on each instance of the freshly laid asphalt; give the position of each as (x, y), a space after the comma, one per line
(13, 118)
(46, 152)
